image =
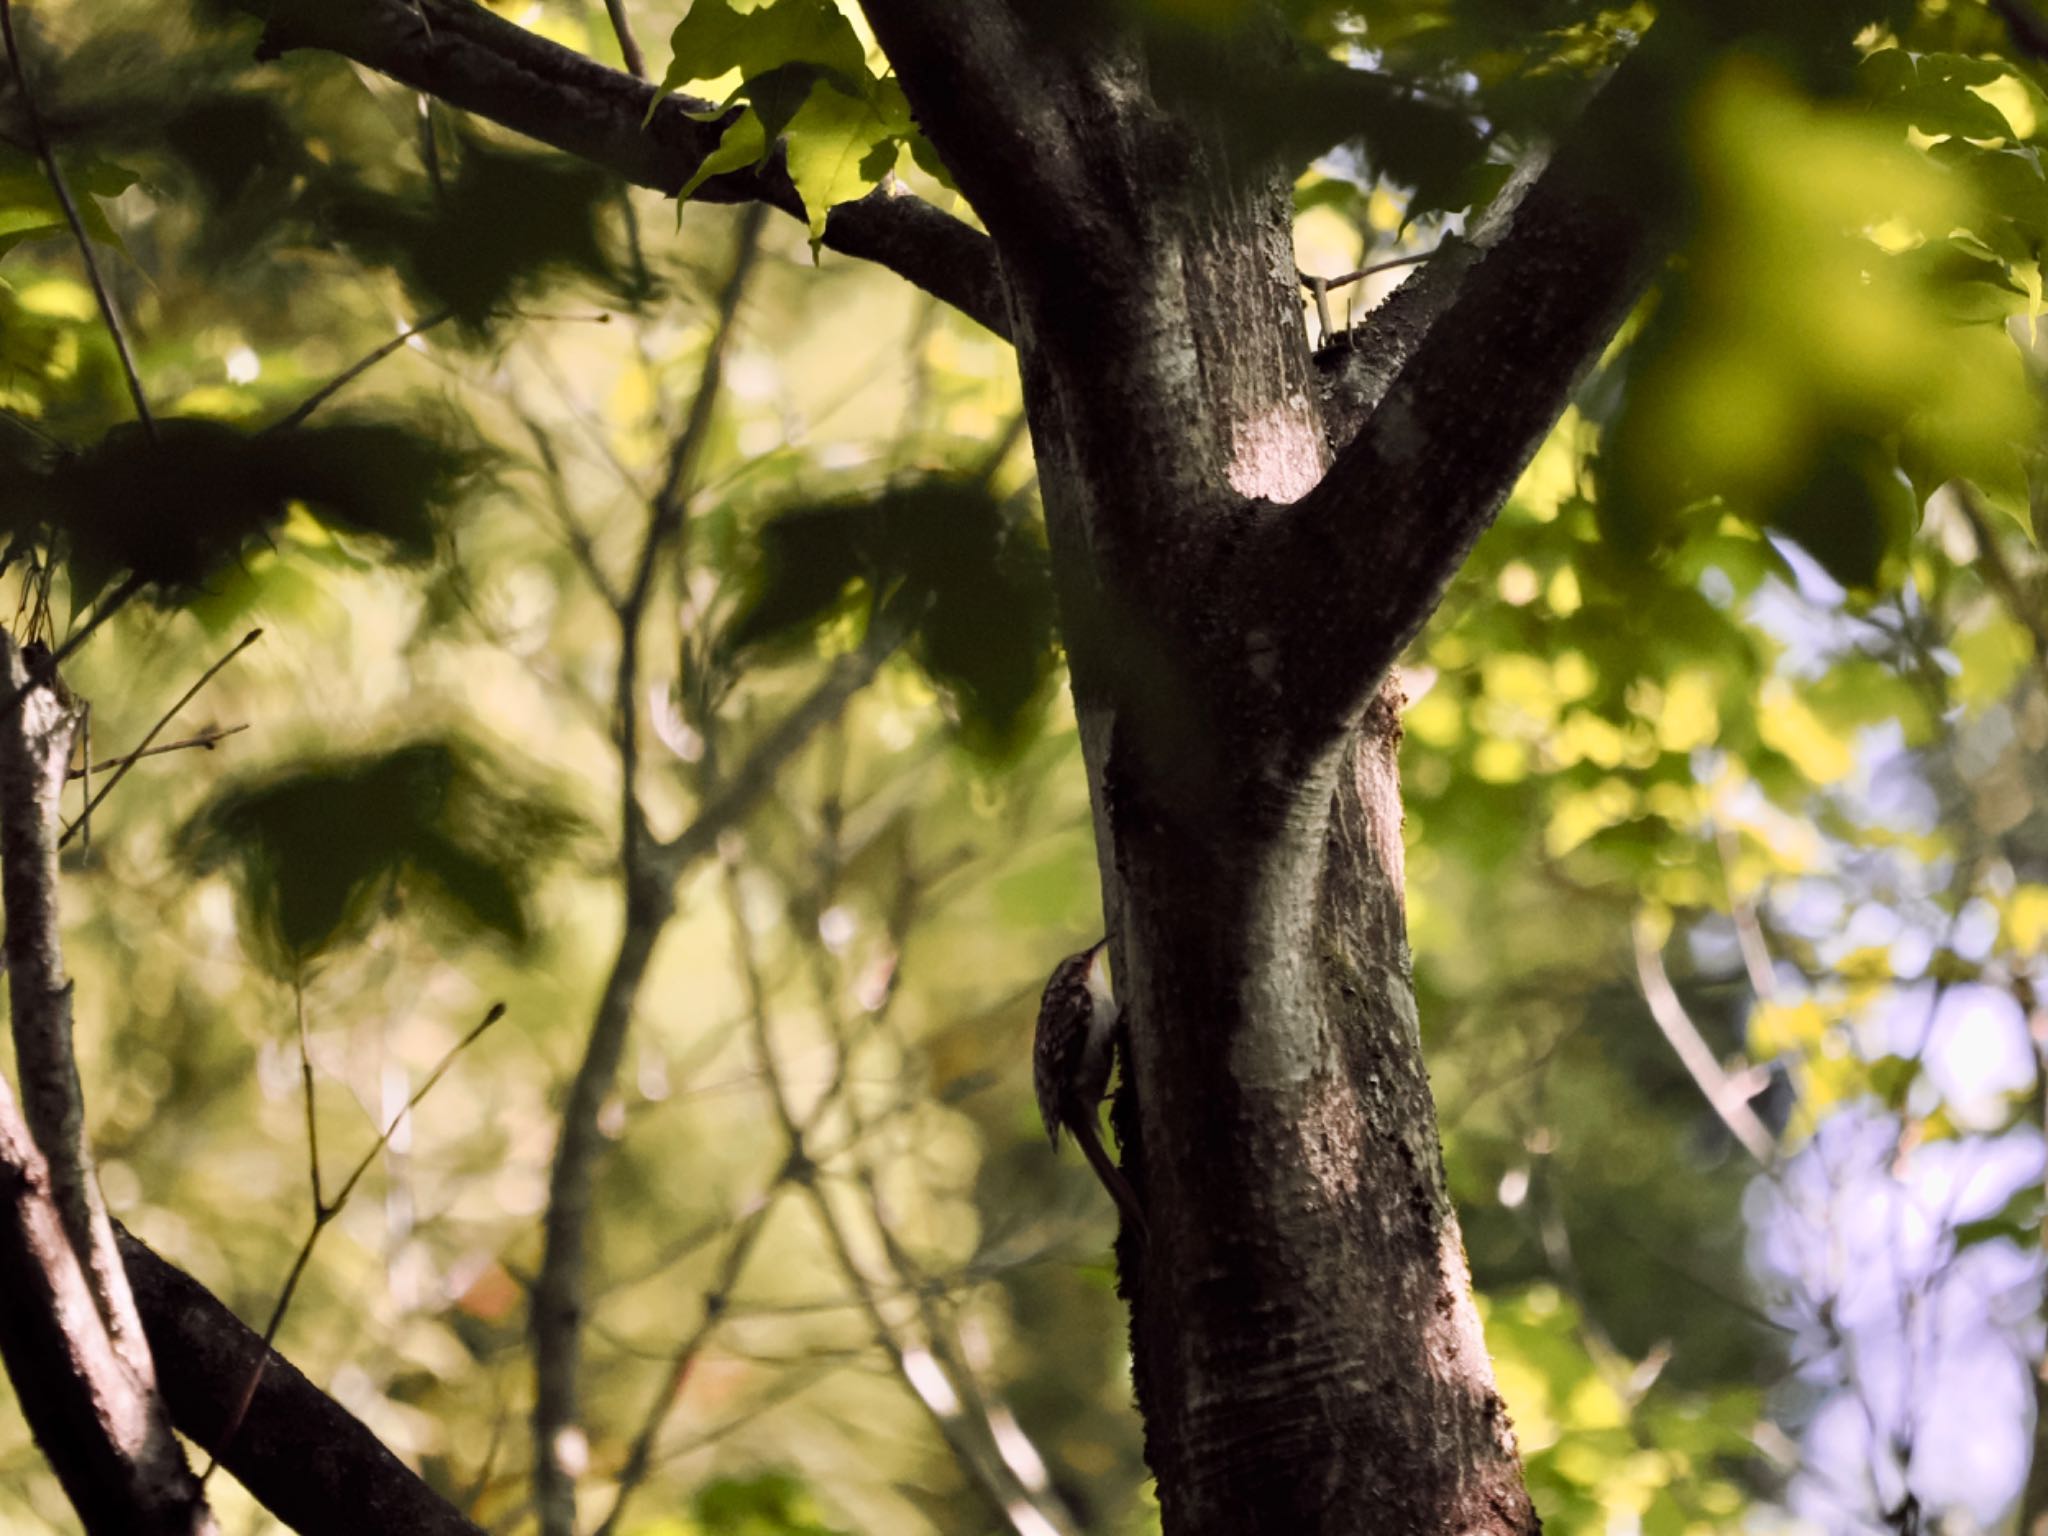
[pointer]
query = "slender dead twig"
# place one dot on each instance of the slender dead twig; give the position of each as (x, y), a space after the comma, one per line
(640, 1458)
(297, 415)
(1723, 1094)
(156, 730)
(44, 669)
(1324, 284)
(204, 741)
(108, 313)
(325, 1210)
(913, 1360)
(629, 46)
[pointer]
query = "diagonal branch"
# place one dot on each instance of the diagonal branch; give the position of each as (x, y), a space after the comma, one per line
(469, 58)
(307, 1459)
(1480, 355)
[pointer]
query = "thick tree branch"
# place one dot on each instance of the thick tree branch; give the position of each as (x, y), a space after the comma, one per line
(1475, 366)
(69, 1331)
(307, 1460)
(466, 56)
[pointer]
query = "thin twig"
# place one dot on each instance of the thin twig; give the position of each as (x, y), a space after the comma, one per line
(312, 1106)
(1723, 1095)
(1326, 283)
(430, 148)
(154, 731)
(629, 47)
(573, 531)
(640, 1458)
(297, 415)
(205, 741)
(999, 1486)
(324, 1213)
(45, 669)
(48, 156)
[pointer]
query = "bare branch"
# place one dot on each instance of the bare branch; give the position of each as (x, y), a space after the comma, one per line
(324, 1213)
(108, 1441)
(204, 740)
(154, 731)
(915, 1363)
(640, 1459)
(100, 292)
(629, 46)
(648, 878)
(35, 749)
(1724, 1095)
(472, 59)
(297, 415)
(305, 1458)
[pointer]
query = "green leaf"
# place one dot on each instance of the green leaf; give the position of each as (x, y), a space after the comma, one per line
(744, 143)
(1932, 92)
(809, 557)
(713, 39)
(1851, 511)
(765, 1504)
(832, 144)
(2018, 1221)
(29, 205)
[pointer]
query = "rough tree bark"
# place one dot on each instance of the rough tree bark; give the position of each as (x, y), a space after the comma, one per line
(1306, 1350)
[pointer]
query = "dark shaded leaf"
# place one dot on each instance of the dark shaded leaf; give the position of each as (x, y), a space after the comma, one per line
(314, 847)
(940, 549)
(174, 510)
(507, 223)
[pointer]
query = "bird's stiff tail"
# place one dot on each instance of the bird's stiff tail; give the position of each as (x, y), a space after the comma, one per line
(1112, 1177)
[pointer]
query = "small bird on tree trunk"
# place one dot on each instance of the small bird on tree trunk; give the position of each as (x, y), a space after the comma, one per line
(1078, 1021)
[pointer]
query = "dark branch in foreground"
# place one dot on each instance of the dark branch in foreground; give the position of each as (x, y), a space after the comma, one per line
(307, 1459)
(462, 54)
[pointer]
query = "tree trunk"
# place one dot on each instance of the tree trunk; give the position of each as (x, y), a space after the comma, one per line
(1307, 1354)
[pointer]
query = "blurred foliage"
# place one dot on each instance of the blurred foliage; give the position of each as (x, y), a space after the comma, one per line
(1745, 691)
(945, 555)
(428, 819)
